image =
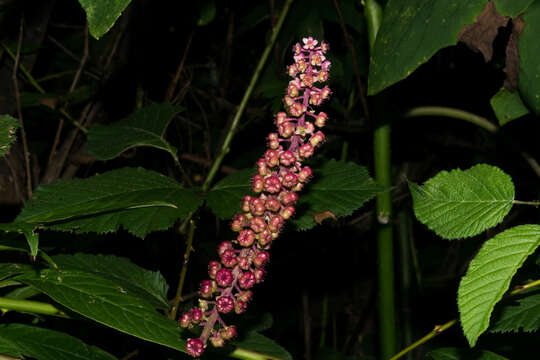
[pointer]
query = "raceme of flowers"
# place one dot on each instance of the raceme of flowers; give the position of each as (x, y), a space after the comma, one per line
(280, 176)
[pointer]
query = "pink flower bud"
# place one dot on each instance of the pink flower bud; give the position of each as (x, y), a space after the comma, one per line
(307, 80)
(206, 289)
(287, 212)
(296, 109)
(292, 70)
(225, 304)
(287, 100)
(228, 332)
(286, 130)
(225, 245)
(306, 150)
(196, 315)
(272, 184)
(240, 306)
(217, 341)
(272, 205)
(262, 168)
(322, 76)
(259, 275)
(257, 183)
(261, 259)
(271, 157)
(228, 258)
(281, 118)
(287, 158)
(244, 262)
(245, 296)
(245, 203)
(289, 180)
(246, 237)
(321, 118)
(256, 206)
(194, 347)
(257, 224)
(288, 197)
(264, 238)
(305, 174)
(239, 222)
(185, 320)
(213, 267)
(276, 223)
(317, 138)
(325, 92)
(224, 277)
(315, 99)
(246, 280)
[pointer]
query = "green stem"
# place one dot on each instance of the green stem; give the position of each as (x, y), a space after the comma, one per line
(385, 246)
(30, 306)
(225, 148)
(455, 114)
(440, 328)
(245, 354)
(533, 203)
(183, 272)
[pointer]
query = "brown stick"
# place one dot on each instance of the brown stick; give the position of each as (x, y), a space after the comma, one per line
(19, 111)
(174, 82)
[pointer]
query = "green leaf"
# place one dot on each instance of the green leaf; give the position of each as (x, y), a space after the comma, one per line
(512, 8)
(8, 129)
(529, 58)
(207, 13)
(148, 201)
(338, 188)
(261, 344)
(102, 14)
(508, 106)
(149, 285)
(520, 314)
(107, 302)
(145, 127)
(463, 354)
(412, 32)
(8, 270)
(45, 344)
(489, 275)
(225, 197)
(28, 230)
(463, 203)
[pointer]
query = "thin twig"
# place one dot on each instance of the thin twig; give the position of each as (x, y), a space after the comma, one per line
(225, 148)
(356, 68)
(71, 89)
(19, 111)
(174, 81)
(189, 249)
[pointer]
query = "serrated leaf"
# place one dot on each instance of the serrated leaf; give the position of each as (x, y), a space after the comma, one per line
(8, 129)
(489, 275)
(226, 196)
(463, 203)
(45, 344)
(529, 58)
(145, 127)
(28, 230)
(102, 14)
(137, 199)
(507, 106)
(149, 285)
(521, 314)
(463, 354)
(261, 344)
(107, 302)
(412, 32)
(338, 187)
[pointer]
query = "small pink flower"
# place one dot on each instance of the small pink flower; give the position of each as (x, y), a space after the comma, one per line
(309, 43)
(194, 347)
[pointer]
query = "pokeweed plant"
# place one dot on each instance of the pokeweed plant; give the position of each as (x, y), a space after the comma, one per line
(116, 293)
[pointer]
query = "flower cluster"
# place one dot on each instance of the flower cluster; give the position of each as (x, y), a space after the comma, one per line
(280, 175)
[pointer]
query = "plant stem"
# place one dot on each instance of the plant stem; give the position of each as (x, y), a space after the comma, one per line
(455, 114)
(30, 306)
(225, 148)
(183, 272)
(436, 331)
(440, 328)
(244, 354)
(385, 246)
(533, 203)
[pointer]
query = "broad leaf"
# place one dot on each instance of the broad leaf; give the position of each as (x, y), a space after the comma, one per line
(145, 127)
(412, 32)
(529, 58)
(139, 200)
(102, 14)
(522, 314)
(463, 203)
(338, 189)
(225, 198)
(28, 230)
(108, 303)
(463, 354)
(8, 129)
(508, 106)
(45, 344)
(261, 344)
(512, 8)
(8, 270)
(149, 285)
(489, 276)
